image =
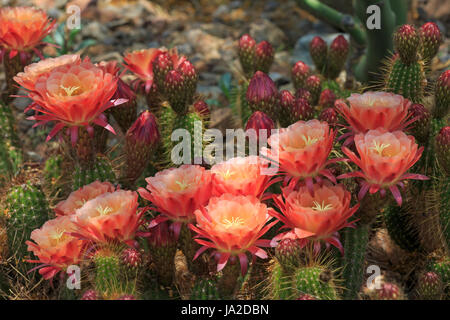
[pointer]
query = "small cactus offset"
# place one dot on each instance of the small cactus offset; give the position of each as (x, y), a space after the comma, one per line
(27, 210)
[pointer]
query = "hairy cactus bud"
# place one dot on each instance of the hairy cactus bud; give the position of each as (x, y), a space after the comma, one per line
(318, 51)
(337, 56)
(302, 110)
(431, 40)
(420, 128)
(264, 55)
(287, 101)
(304, 94)
(175, 90)
(89, 295)
(305, 296)
(429, 286)
(329, 115)
(443, 149)
(314, 86)
(262, 94)
(247, 54)
(406, 43)
(202, 108)
(127, 297)
(287, 253)
(442, 95)
(140, 141)
(260, 121)
(161, 66)
(187, 70)
(327, 99)
(388, 291)
(300, 71)
(131, 258)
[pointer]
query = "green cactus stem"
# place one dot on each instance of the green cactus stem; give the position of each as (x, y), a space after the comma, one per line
(101, 170)
(400, 228)
(407, 80)
(205, 289)
(315, 281)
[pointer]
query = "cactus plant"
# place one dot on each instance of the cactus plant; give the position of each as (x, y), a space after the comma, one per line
(205, 289)
(316, 281)
(27, 210)
(101, 170)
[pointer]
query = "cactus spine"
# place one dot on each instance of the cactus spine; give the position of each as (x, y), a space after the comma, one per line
(101, 170)
(316, 281)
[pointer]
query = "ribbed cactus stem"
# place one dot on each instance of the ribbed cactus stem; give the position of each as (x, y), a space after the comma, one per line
(107, 273)
(355, 246)
(101, 170)
(315, 281)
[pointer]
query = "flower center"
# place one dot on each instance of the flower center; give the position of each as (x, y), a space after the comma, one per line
(104, 210)
(70, 91)
(228, 174)
(80, 203)
(58, 235)
(233, 222)
(309, 140)
(321, 206)
(380, 148)
(183, 185)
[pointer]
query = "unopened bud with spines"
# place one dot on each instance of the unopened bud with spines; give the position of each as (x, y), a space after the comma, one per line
(288, 252)
(247, 54)
(140, 142)
(406, 43)
(442, 95)
(260, 121)
(264, 55)
(327, 99)
(287, 101)
(187, 70)
(301, 110)
(337, 55)
(202, 108)
(161, 66)
(131, 258)
(329, 115)
(125, 114)
(305, 296)
(318, 50)
(300, 71)
(314, 85)
(443, 149)
(304, 94)
(421, 126)
(262, 94)
(429, 286)
(175, 90)
(431, 40)
(388, 291)
(89, 295)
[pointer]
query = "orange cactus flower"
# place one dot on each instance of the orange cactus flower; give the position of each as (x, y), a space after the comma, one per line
(54, 247)
(109, 217)
(22, 30)
(233, 225)
(316, 217)
(177, 193)
(241, 176)
(78, 198)
(73, 93)
(373, 110)
(384, 159)
(303, 150)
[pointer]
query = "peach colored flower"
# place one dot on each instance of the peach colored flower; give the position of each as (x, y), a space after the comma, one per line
(109, 217)
(54, 247)
(303, 150)
(373, 110)
(140, 62)
(22, 29)
(73, 93)
(178, 192)
(241, 176)
(384, 159)
(32, 72)
(233, 225)
(316, 217)
(78, 198)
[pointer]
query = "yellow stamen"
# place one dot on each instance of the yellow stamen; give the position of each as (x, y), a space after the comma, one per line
(234, 221)
(321, 206)
(80, 203)
(58, 235)
(183, 185)
(228, 174)
(309, 141)
(104, 211)
(380, 147)
(69, 90)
